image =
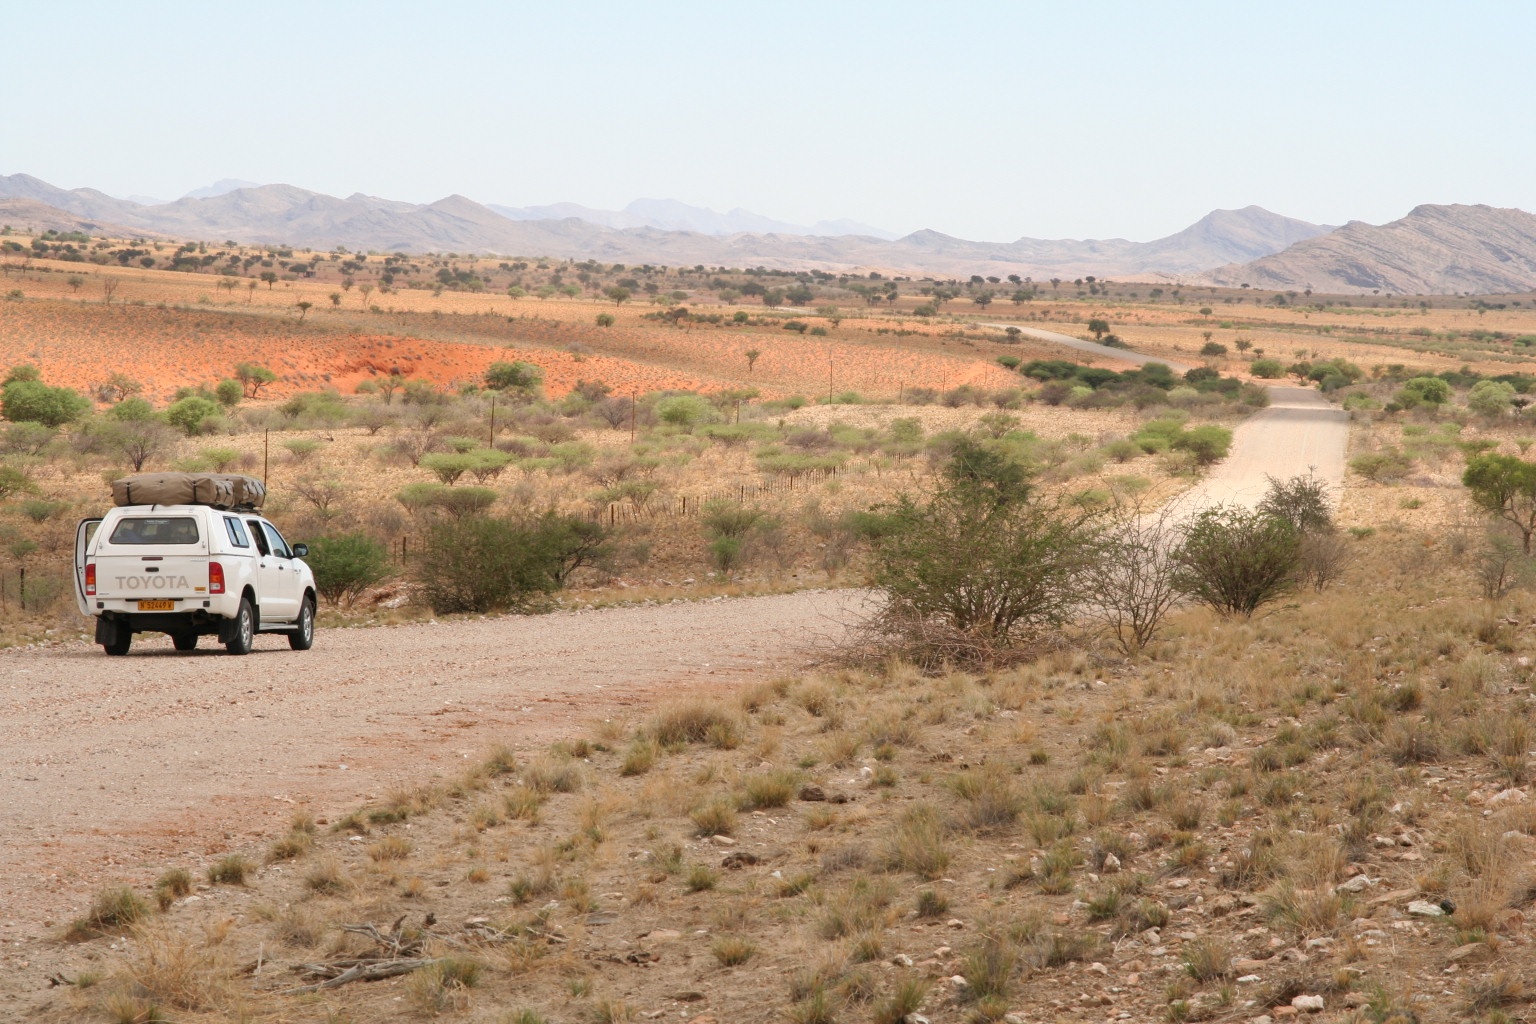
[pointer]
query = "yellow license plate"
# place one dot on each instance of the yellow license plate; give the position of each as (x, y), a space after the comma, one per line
(157, 606)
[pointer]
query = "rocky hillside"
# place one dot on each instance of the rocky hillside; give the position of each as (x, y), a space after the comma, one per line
(1435, 250)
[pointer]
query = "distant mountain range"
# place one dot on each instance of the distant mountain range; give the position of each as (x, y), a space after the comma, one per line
(1435, 249)
(671, 215)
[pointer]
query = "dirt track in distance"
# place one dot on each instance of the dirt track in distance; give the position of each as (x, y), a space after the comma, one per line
(117, 768)
(1300, 432)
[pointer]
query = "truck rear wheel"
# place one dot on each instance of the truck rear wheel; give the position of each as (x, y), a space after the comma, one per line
(120, 643)
(244, 637)
(184, 641)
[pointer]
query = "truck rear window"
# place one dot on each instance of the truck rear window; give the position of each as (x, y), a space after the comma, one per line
(155, 530)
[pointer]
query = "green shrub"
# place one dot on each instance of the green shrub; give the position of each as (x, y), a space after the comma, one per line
(685, 411)
(448, 466)
(346, 565)
(982, 563)
(1208, 443)
(35, 402)
(1423, 391)
(1236, 560)
(191, 413)
(1301, 501)
(482, 564)
(1383, 467)
(1267, 369)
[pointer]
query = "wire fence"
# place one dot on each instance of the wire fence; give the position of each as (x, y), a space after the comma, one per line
(679, 506)
(691, 506)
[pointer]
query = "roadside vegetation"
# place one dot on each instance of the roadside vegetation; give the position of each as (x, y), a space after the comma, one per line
(497, 497)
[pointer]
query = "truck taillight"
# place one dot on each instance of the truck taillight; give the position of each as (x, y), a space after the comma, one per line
(90, 579)
(215, 578)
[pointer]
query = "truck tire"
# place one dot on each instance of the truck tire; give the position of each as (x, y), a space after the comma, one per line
(120, 643)
(244, 636)
(303, 638)
(184, 641)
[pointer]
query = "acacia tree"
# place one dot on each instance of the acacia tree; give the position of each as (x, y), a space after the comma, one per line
(1504, 486)
(253, 377)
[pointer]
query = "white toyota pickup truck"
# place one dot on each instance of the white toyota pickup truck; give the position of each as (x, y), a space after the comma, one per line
(191, 569)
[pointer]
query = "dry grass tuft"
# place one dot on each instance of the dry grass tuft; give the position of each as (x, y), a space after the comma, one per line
(696, 722)
(390, 848)
(231, 869)
(732, 951)
(327, 876)
(113, 908)
(993, 799)
(715, 818)
(553, 774)
(443, 985)
(768, 790)
(166, 970)
(640, 757)
(171, 886)
(916, 843)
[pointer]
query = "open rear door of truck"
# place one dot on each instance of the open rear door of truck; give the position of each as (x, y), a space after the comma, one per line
(85, 532)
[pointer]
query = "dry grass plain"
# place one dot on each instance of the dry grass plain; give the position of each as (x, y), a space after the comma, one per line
(1248, 816)
(1329, 802)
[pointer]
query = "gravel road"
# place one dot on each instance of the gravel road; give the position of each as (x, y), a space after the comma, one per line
(1300, 432)
(113, 769)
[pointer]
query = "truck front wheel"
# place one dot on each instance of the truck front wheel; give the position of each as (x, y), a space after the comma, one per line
(303, 635)
(244, 636)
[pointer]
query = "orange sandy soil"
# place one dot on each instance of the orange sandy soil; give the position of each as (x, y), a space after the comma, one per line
(80, 344)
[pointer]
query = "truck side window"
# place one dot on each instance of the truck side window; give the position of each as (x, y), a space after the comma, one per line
(261, 538)
(236, 530)
(279, 546)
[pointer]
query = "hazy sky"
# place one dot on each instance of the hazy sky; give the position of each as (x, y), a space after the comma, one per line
(984, 120)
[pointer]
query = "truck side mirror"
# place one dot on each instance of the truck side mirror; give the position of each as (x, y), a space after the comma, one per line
(300, 550)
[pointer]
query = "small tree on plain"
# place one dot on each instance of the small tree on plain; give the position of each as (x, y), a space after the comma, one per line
(1301, 501)
(1504, 486)
(515, 378)
(191, 413)
(140, 440)
(1130, 582)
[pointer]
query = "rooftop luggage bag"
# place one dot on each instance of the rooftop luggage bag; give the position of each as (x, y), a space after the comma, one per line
(176, 489)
